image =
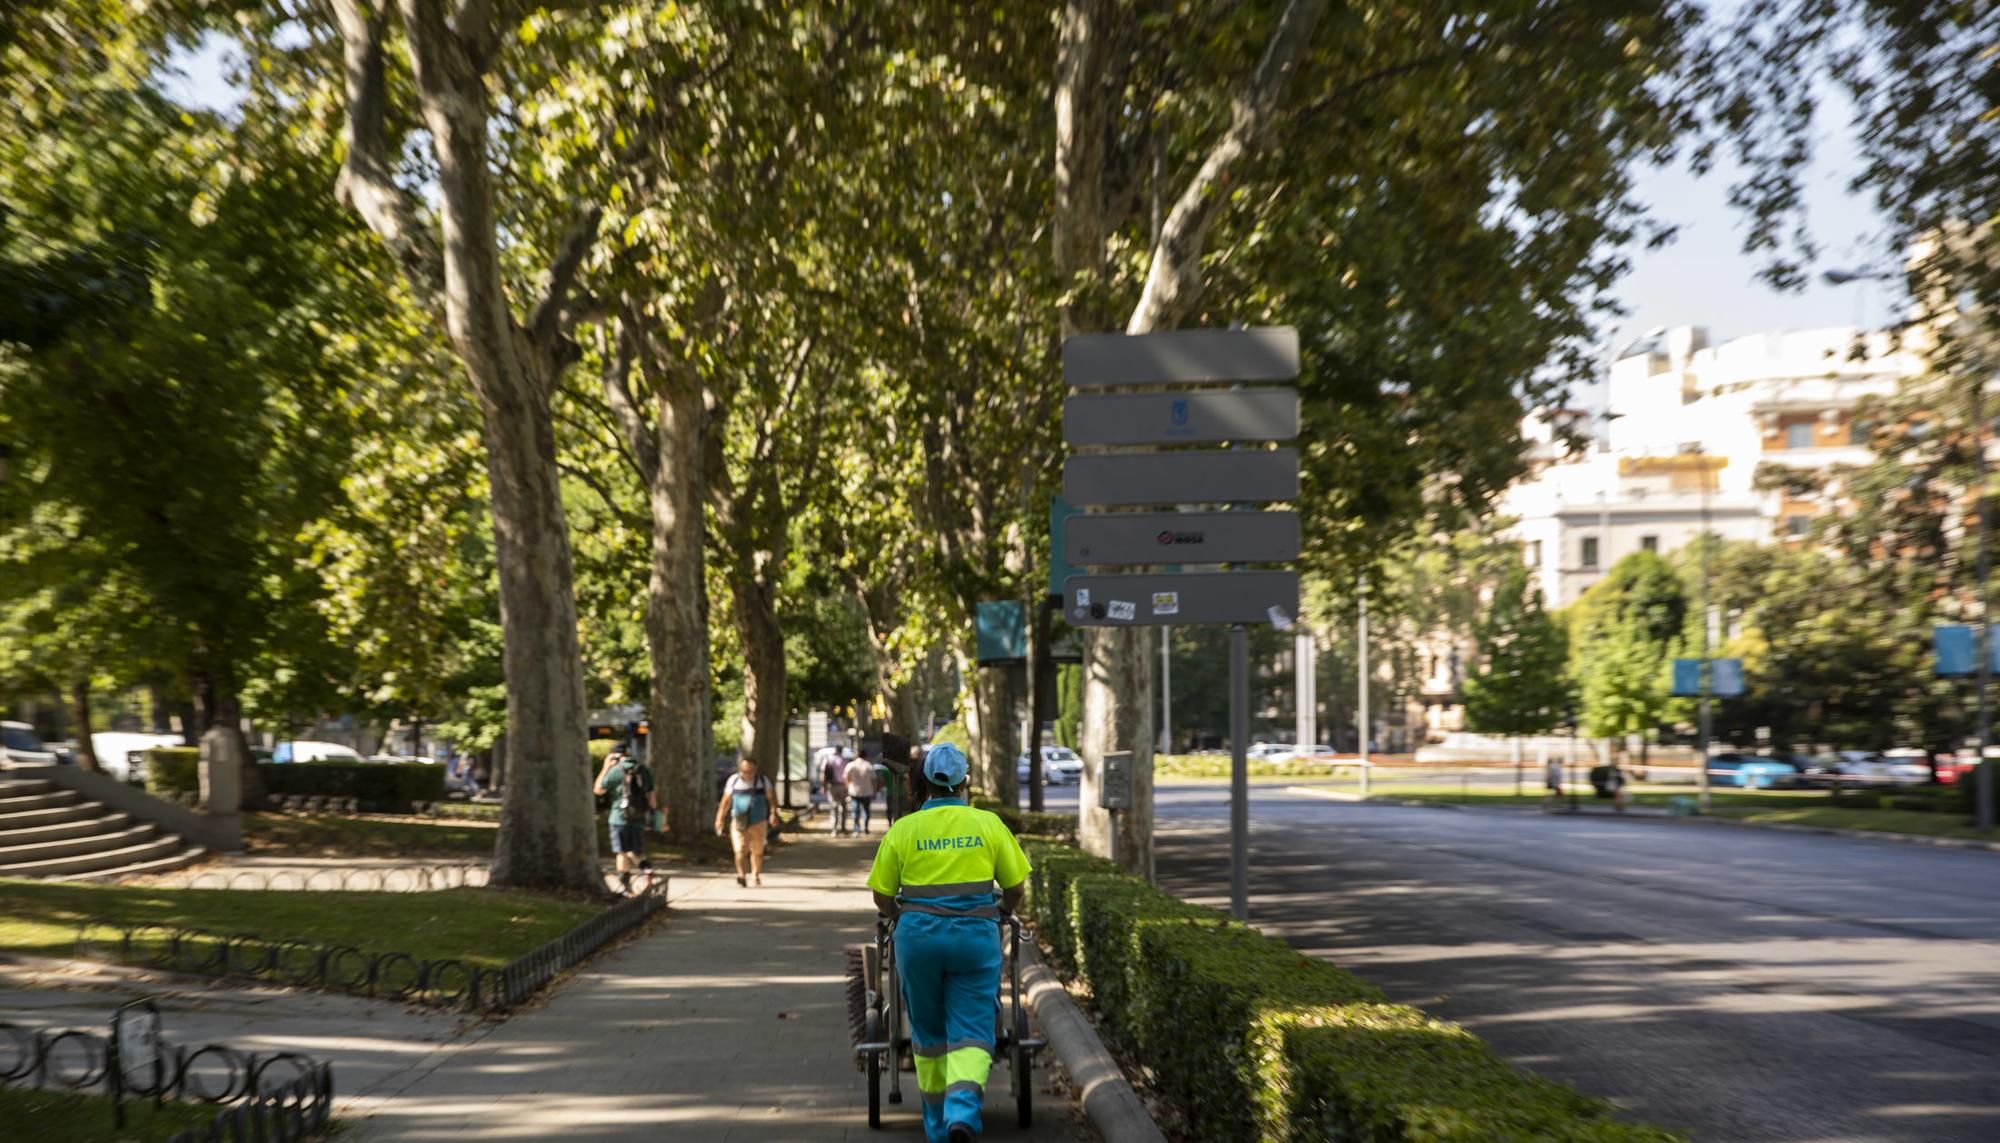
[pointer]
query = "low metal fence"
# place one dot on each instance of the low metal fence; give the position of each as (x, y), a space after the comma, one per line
(276, 1096)
(400, 976)
(392, 879)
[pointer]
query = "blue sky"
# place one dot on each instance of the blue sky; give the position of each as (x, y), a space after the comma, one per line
(1702, 278)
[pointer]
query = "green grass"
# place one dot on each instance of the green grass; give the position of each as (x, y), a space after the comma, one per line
(1656, 796)
(297, 835)
(35, 1116)
(306, 835)
(1919, 823)
(483, 927)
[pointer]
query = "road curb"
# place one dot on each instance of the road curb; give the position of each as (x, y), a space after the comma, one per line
(1102, 1089)
(1689, 819)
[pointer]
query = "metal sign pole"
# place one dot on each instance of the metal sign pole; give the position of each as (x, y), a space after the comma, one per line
(1239, 772)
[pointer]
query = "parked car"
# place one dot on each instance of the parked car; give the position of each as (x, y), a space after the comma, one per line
(1751, 771)
(1060, 766)
(121, 754)
(1867, 768)
(1270, 751)
(306, 750)
(1953, 767)
(20, 745)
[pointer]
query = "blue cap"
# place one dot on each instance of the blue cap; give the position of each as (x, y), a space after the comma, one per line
(945, 764)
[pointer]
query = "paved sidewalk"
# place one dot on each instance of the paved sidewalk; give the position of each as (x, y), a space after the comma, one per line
(728, 1022)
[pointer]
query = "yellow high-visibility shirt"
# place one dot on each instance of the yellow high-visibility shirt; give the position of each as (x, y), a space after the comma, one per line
(946, 857)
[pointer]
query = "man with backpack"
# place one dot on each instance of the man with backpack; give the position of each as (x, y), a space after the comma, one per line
(630, 784)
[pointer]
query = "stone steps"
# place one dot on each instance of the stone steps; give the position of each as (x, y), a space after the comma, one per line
(51, 832)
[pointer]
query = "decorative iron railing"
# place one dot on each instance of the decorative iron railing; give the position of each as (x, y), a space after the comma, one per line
(277, 1096)
(400, 976)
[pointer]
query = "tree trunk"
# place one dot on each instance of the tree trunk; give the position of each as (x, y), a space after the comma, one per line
(764, 679)
(678, 742)
(215, 695)
(1118, 716)
(86, 753)
(547, 835)
(988, 719)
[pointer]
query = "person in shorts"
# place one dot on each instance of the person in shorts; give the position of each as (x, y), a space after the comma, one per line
(748, 810)
(630, 784)
(860, 775)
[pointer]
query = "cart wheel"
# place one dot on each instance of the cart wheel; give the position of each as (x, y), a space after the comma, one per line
(874, 1089)
(1024, 1086)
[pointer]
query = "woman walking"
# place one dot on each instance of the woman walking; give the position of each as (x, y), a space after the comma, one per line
(748, 810)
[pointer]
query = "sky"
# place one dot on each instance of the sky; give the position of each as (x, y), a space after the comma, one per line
(1702, 278)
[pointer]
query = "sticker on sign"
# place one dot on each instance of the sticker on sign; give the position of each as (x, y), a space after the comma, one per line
(1122, 609)
(1166, 602)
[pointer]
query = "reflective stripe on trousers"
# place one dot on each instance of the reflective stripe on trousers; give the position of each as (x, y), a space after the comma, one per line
(951, 989)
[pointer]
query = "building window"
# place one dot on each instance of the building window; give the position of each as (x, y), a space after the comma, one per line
(1649, 543)
(1534, 553)
(1799, 435)
(1797, 525)
(1590, 551)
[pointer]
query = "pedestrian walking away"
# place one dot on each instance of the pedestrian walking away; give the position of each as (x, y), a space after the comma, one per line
(633, 810)
(833, 779)
(860, 775)
(748, 811)
(934, 877)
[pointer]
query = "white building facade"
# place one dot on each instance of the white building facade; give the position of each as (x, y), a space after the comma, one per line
(1678, 449)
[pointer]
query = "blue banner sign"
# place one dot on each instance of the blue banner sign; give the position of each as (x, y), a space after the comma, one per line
(1725, 678)
(1957, 650)
(1002, 632)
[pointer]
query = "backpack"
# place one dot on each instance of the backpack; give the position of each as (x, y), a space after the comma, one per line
(635, 802)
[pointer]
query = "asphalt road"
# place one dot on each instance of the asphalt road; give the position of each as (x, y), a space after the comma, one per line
(1734, 984)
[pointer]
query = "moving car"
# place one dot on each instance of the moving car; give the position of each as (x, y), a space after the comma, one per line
(306, 750)
(20, 745)
(121, 754)
(1061, 766)
(1867, 768)
(1752, 772)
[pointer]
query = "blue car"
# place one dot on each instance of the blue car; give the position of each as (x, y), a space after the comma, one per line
(1750, 772)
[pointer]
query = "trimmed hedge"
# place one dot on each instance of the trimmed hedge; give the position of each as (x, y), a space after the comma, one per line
(392, 787)
(1028, 823)
(173, 770)
(1253, 1040)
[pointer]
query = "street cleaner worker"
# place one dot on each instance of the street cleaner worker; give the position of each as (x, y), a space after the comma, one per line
(934, 876)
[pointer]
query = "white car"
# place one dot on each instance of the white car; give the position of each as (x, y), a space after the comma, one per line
(1270, 750)
(1060, 766)
(1866, 768)
(306, 750)
(121, 754)
(20, 745)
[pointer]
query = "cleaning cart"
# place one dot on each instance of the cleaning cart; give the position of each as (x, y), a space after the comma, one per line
(881, 1034)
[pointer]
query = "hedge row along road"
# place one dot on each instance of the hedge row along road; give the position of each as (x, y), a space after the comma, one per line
(1734, 984)
(1250, 1040)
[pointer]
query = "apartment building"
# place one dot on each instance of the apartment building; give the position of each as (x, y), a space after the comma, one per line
(1677, 451)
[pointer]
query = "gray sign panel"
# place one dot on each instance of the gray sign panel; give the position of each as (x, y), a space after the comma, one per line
(1170, 418)
(1181, 538)
(1224, 477)
(1181, 600)
(1183, 356)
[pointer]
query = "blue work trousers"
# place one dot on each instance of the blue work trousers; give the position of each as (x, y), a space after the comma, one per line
(951, 990)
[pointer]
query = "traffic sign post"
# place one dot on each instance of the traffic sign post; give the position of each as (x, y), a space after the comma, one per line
(1186, 599)
(1182, 418)
(1197, 482)
(1222, 477)
(1130, 538)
